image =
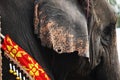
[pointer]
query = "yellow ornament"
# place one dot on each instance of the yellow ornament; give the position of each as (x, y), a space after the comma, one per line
(17, 78)
(11, 71)
(15, 73)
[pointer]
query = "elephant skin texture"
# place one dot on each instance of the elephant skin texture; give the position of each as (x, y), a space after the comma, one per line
(70, 39)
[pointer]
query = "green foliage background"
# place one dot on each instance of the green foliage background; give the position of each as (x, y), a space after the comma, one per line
(116, 6)
(118, 22)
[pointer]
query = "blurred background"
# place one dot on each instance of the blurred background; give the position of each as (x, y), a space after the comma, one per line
(116, 6)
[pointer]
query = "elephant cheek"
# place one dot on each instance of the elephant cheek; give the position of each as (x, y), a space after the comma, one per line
(64, 40)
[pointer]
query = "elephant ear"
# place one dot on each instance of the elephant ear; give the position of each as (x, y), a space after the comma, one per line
(59, 29)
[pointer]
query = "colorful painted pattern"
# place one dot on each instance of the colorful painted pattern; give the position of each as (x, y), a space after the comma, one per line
(24, 59)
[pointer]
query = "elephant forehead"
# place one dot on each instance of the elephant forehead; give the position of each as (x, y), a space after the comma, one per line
(64, 39)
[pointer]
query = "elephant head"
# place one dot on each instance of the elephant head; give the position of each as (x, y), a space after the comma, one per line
(86, 27)
(68, 27)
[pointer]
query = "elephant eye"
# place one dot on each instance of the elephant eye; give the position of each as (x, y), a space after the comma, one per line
(107, 34)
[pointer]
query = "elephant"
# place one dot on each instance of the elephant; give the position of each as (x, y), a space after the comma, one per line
(70, 39)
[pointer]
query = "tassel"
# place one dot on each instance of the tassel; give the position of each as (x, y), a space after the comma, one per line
(14, 70)
(11, 70)
(17, 78)
(24, 78)
(20, 75)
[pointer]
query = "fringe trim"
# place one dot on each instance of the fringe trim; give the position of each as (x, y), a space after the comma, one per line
(17, 68)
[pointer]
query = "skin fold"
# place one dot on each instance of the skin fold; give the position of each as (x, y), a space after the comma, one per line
(70, 41)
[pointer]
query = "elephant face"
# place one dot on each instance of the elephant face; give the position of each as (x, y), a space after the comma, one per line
(102, 32)
(62, 27)
(65, 29)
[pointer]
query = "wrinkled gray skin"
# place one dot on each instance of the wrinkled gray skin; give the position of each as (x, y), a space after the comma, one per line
(77, 32)
(62, 26)
(99, 28)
